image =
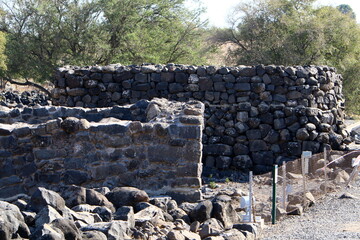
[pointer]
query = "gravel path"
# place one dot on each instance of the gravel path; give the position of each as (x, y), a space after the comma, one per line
(332, 218)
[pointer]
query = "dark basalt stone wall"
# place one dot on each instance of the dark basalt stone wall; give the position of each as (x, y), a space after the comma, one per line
(255, 115)
(155, 146)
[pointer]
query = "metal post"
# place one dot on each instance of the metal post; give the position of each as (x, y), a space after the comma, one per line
(284, 185)
(305, 170)
(275, 172)
(250, 195)
(325, 171)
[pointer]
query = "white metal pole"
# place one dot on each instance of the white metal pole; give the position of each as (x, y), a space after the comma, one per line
(284, 186)
(250, 195)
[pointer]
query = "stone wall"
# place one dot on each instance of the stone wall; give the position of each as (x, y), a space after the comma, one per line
(255, 116)
(155, 146)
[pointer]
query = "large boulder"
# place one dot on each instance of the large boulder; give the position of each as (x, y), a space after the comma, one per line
(211, 227)
(93, 235)
(95, 198)
(202, 211)
(115, 230)
(46, 232)
(104, 213)
(224, 211)
(67, 227)
(125, 213)
(85, 217)
(74, 195)
(233, 234)
(46, 215)
(126, 196)
(43, 197)
(178, 213)
(247, 228)
(12, 222)
(151, 213)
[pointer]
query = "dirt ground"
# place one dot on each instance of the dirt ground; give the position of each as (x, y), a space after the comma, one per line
(338, 174)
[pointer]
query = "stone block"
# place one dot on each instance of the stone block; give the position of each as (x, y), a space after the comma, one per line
(218, 149)
(191, 182)
(74, 177)
(167, 76)
(219, 86)
(141, 77)
(189, 170)
(242, 87)
(175, 88)
(242, 117)
(181, 77)
(242, 162)
(186, 132)
(74, 82)
(44, 154)
(241, 149)
(279, 123)
(106, 170)
(294, 148)
(166, 154)
(223, 162)
(8, 142)
(263, 158)
(311, 146)
(253, 134)
(76, 91)
(258, 145)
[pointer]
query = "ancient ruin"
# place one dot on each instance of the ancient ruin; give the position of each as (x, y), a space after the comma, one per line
(143, 145)
(115, 129)
(254, 116)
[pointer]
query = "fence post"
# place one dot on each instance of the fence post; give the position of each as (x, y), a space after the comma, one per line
(325, 170)
(305, 170)
(284, 186)
(250, 196)
(275, 173)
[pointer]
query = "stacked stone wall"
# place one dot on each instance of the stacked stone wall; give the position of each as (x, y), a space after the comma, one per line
(255, 115)
(155, 146)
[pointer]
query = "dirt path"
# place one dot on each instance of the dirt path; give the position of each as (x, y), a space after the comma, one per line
(331, 218)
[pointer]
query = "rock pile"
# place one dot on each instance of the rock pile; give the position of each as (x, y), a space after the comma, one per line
(122, 213)
(32, 98)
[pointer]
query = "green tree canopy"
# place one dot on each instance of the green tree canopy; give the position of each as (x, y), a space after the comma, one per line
(294, 32)
(346, 9)
(3, 57)
(43, 34)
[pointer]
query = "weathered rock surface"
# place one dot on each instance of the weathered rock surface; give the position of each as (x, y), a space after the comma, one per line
(161, 220)
(126, 196)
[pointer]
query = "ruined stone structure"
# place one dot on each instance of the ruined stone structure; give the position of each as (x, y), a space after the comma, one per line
(255, 116)
(152, 145)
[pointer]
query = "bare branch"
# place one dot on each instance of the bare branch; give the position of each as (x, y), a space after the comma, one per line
(29, 83)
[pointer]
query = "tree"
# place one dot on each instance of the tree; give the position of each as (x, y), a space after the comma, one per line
(44, 34)
(151, 31)
(3, 58)
(346, 9)
(293, 32)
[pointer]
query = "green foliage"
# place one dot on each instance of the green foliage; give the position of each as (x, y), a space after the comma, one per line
(212, 185)
(293, 32)
(346, 9)
(44, 34)
(3, 58)
(227, 180)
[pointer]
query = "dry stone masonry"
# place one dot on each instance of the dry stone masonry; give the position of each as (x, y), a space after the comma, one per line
(153, 145)
(255, 115)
